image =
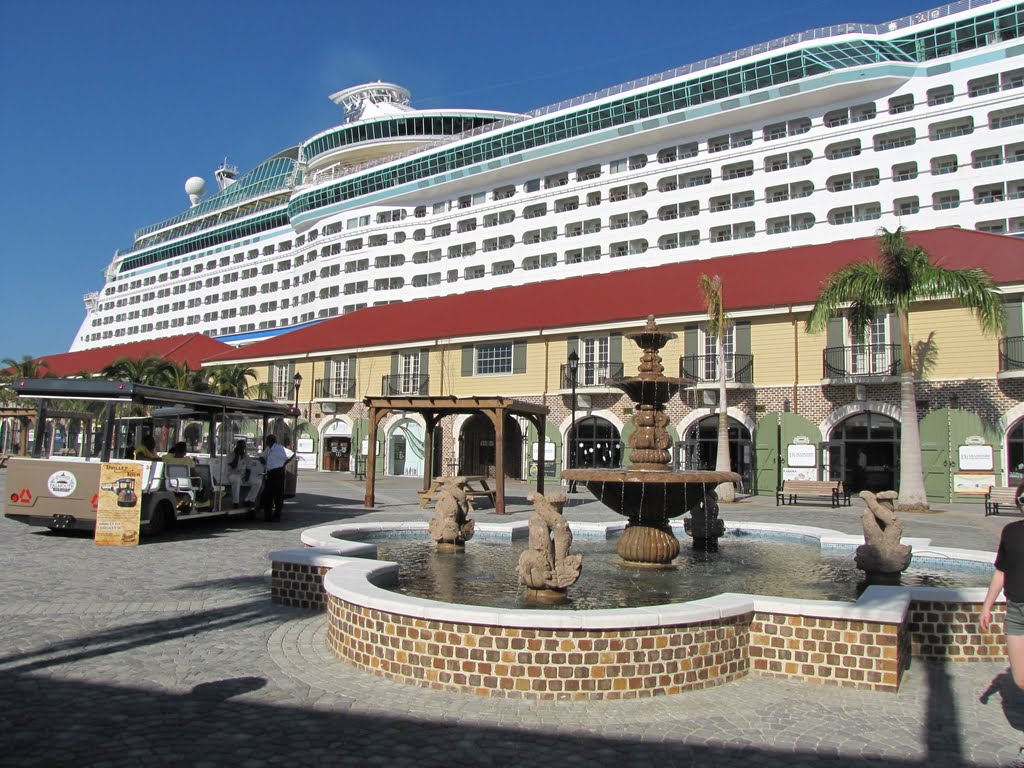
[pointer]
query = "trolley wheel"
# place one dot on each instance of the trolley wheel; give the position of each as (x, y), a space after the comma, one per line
(162, 520)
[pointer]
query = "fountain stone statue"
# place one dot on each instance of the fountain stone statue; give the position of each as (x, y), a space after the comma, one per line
(451, 527)
(546, 567)
(881, 557)
(649, 492)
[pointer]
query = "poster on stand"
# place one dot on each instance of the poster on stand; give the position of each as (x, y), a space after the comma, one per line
(119, 504)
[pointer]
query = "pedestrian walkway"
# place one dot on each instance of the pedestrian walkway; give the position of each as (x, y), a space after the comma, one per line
(171, 654)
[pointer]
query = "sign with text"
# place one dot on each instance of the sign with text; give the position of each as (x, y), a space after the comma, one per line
(973, 485)
(795, 473)
(976, 458)
(802, 455)
(119, 504)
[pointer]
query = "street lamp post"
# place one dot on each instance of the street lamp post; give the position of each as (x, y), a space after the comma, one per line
(574, 365)
(295, 429)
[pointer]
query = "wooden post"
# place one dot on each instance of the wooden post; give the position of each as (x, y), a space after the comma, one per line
(371, 454)
(541, 440)
(430, 419)
(498, 416)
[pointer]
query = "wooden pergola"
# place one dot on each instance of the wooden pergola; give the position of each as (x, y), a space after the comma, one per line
(433, 409)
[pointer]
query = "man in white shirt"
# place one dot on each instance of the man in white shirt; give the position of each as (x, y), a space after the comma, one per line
(274, 457)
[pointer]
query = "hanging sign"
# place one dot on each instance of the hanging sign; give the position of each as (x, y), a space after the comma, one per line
(119, 504)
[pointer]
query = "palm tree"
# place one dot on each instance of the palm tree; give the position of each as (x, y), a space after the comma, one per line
(718, 325)
(26, 368)
(181, 376)
(901, 275)
(231, 380)
(152, 370)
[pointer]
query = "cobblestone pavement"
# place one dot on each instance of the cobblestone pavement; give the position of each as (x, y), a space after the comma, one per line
(172, 654)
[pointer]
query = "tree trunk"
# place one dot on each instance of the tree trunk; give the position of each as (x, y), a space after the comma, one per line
(912, 493)
(726, 491)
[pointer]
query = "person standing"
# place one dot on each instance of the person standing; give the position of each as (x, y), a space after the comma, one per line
(274, 457)
(1008, 578)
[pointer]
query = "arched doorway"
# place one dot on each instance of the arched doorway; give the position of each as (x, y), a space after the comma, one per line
(864, 452)
(594, 442)
(477, 447)
(699, 449)
(405, 449)
(1015, 454)
(337, 442)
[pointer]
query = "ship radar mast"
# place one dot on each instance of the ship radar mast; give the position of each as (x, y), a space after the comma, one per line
(225, 175)
(362, 102)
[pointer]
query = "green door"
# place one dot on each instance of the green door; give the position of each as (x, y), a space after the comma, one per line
(796, 429)
(766, 447)
(935, 456)
(943, 432)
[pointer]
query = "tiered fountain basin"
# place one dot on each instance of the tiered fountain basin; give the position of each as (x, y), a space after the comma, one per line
(627, 652)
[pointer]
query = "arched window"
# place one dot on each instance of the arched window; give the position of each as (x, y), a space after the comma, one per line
(594, 442)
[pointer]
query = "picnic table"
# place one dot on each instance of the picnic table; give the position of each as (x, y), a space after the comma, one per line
(475, 487)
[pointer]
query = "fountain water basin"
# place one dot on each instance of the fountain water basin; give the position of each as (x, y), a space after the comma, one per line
(630, 652)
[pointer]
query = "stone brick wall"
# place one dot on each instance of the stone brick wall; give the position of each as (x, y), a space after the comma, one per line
(857, 654)
(298, 585)
(952, 631)
(540, 663)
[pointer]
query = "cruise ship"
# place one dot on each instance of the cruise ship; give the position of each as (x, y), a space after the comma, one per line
(819, 136)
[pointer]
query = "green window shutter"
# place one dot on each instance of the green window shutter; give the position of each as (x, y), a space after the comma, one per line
(519, 357)
(741, 338)
(573, 345)
(1014, 321)
(690, 340)
(424, 362)
(615, 348)
(835, 335)
(396, 363)
(467, 361)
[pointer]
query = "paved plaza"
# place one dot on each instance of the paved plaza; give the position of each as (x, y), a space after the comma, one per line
(172, 654)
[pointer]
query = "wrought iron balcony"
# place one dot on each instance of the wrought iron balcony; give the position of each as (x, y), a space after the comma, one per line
(338, 389)
(404, 384)
(703, 369)
(591, 375)
(861, 360)
(1011, 353)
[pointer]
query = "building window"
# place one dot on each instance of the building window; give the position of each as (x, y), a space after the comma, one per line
(493, 358)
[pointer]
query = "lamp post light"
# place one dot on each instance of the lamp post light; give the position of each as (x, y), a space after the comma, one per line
(574, 366)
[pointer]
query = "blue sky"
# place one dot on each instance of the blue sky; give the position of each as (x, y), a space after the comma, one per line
(109, 106)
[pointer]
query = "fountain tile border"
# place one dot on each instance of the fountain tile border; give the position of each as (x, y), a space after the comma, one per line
(626, 653)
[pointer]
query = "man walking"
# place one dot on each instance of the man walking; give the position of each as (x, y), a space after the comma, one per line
(274, 457)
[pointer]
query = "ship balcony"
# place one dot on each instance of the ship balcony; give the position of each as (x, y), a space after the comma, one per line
(334, 389)
(400, 384)
(590, 376)
(701, 371)
(1011, 357)
(861, 363)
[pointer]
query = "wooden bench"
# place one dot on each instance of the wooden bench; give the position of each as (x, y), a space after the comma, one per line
(833, 490)
(1001, 495)
(475, 487)
(3, 460)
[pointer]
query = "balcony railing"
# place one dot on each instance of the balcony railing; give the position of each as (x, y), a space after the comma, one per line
(335, 388)
(861, 360)
(404, 384)
(591, 375)
(703, 369)
(1011, 353)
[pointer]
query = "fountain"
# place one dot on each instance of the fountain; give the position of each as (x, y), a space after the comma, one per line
(649, 493)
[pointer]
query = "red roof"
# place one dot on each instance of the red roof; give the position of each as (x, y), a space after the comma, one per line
(752, 281)
(192, 349)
